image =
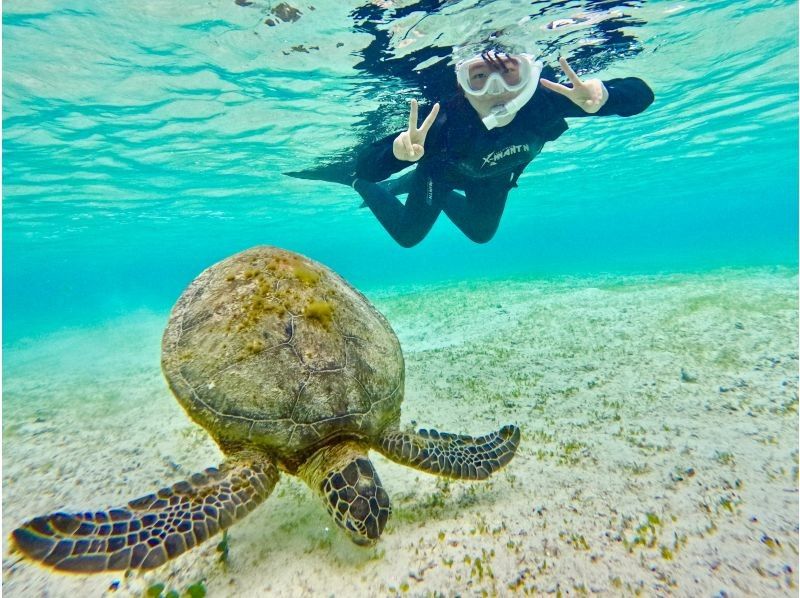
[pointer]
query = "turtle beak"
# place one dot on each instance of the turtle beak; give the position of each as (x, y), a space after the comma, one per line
(359, 538)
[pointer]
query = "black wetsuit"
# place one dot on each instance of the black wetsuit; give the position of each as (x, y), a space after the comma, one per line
(461, 154)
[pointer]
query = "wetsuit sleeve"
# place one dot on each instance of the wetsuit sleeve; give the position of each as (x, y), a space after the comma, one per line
(626, 97)
(377, 162)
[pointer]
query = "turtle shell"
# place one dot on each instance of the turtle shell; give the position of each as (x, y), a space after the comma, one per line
(270, 349)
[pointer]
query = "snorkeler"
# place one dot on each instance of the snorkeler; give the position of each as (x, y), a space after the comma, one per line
(479, 142)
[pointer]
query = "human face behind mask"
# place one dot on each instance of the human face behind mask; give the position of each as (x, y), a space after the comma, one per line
(493, 74)
(497, 85)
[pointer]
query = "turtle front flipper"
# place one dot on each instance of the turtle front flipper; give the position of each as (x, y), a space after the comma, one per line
(452, 455)
(345, 478)
(152, 529)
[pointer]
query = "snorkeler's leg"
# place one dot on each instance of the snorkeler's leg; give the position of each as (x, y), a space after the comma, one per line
(407, 223)
(478, 214)
(401, 185)
(398, 186)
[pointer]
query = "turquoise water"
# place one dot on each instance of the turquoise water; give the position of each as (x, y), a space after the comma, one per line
(143, 142)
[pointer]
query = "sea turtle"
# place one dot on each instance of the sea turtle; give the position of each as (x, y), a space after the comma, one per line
(288, 368)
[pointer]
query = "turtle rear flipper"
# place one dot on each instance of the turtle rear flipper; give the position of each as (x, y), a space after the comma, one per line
(452, 455)
(152, 529)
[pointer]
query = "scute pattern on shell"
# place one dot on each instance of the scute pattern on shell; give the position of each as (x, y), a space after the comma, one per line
(270, 349)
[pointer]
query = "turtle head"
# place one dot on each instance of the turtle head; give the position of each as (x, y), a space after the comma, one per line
(351, 489)
(357, 501)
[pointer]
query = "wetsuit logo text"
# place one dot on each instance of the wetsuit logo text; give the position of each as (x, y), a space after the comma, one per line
(493, 158)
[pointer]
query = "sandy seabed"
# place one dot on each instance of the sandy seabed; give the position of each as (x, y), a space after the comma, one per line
(659, 453)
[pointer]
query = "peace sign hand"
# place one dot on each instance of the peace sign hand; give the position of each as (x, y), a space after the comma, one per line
(589, 95)
(410, 145)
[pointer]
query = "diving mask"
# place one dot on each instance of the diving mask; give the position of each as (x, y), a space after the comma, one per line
(497, 73)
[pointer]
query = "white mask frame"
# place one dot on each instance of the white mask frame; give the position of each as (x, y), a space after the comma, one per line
(495, 83)
(500, 115)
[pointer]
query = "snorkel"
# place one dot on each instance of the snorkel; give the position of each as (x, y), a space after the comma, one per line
(503, 111)
(495, 83)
